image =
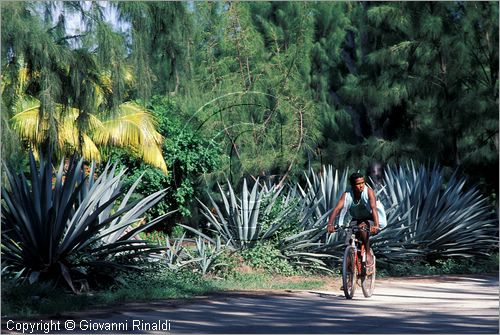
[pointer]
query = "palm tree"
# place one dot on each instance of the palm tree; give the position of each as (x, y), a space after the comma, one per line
(131, 127)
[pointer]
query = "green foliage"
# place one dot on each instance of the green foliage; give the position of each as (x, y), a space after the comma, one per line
(422, 85)
(161, 34)
(252, 95)
(184, 148)
(40, 60)
(266, 256)
(276, 87)
(67, 226)
(229, 264)
(177, 232)
(155, 236)
(186, 153)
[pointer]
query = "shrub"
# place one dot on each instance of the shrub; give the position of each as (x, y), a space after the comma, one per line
(268, 257)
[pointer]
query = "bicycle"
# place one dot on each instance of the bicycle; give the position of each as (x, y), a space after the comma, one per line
(354, 266)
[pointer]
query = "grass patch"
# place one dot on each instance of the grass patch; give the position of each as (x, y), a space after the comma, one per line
(264, 281)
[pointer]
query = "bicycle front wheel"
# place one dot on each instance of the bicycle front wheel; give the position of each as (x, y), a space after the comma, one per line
(368, 281)
(349, 273)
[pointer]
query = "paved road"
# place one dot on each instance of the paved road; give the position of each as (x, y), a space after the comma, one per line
(444, 305)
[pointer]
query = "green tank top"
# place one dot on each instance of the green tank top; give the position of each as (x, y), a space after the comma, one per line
(359, 211)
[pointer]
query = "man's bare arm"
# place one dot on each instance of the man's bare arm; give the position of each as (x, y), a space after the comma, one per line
(335, 212)
(373, 206)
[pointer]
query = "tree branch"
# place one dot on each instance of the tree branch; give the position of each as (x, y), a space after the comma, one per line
(70, 37)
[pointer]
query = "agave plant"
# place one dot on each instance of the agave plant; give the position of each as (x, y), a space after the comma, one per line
(237, 223)
(436, 218)
(269, 214)
(203, 258)
(175, 253)
(305, 249)
(206, 256)
(67, 224)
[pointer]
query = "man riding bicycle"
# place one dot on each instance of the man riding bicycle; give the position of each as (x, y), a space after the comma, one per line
(361, 203)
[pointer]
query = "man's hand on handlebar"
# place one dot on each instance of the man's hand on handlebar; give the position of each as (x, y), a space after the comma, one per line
(332, 228)
(373, 229)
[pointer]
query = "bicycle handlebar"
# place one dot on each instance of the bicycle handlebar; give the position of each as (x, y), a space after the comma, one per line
(353, 228)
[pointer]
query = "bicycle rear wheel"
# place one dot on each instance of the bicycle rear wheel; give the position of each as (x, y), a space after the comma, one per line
(349, 273)
(368, 281)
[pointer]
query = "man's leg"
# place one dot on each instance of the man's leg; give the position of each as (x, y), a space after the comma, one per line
(364, 236)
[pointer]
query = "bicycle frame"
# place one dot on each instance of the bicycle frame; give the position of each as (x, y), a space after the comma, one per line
(358, 251)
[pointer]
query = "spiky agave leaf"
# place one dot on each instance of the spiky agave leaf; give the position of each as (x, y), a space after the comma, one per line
(302, 250)
(316, 201)
(218, 220)
(54, 226)
(174, 252)
(277, 212)
(327, 187)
